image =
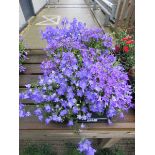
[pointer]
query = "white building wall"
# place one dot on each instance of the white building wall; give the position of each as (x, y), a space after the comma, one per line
(22, 20)
(38, 4)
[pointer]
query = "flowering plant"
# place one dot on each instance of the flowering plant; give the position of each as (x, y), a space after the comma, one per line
(23, 112)
(81, 78)
(22, 55)
(124, 50)
(85, 147)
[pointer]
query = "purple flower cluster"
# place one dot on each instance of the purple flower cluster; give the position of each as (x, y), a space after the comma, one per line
(81, 77)
(23, 112)
(86, 148)
(21, 68)
(75, 35)
(22, 55)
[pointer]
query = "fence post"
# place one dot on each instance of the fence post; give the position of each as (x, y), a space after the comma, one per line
(124, 9)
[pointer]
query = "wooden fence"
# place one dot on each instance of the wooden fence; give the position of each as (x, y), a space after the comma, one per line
(125, 14)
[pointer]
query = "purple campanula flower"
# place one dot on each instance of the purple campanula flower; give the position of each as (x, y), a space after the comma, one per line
(28, 114)
(70, 103)
(47, 108)
(21, 68)
(85, 147)
(64, 103)
(67, 72)
(75, 110)
(28, 86)
(91, 151)
(70, 123)
(79, 93)
(56, 118)
(63, 113)
(83, 85)
(57, 106)
(121, 115)
(47, 120)
(40, 117)
(88, 115)
(61, 91)
(83, 125)
(70, 95)
(23, 112)
(84, 109)
(79, 117)
(64, 21)
(38, 112)
(84, 117)
(23, 96)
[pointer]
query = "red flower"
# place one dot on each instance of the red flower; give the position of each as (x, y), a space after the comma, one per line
(126, 49)
(117, 48)
(130, 42)
(126, 38)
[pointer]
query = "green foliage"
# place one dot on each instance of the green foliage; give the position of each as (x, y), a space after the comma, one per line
(45, 149)
(22, 52)
(78, 56)
(38, 149)
(72, 150)
(108, 151)
(95, 44)
(21, 46)
(127, 59)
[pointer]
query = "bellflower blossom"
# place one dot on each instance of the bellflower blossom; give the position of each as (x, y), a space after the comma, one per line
(80, 77)
(23, 112)
(86, 148)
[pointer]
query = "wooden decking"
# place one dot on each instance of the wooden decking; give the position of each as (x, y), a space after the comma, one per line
(31, 128)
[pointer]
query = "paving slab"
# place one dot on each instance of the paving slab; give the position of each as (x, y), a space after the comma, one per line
(67, 1)
(69, 6)
(52, 17)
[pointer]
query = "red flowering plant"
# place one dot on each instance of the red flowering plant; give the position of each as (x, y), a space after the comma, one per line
(124, 50)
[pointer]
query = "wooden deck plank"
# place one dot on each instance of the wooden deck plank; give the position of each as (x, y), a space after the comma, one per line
(32, 123)
(26, 79)
(50, 134)
(32, 69)
(35, 58)
(36, 51)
